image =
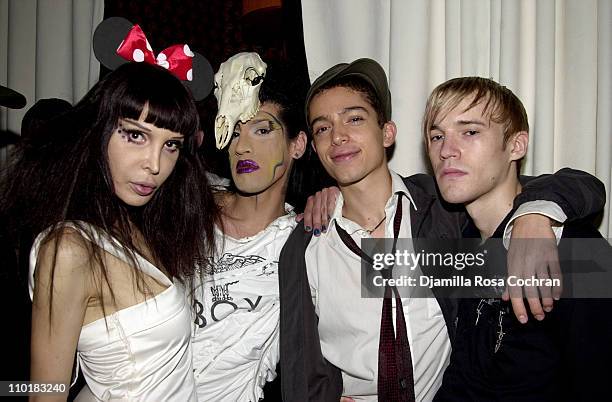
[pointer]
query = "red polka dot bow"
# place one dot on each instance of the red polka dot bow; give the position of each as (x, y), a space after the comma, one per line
(178, 59)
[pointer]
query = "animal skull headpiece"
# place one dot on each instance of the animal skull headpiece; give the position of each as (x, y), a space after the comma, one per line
(237, 85)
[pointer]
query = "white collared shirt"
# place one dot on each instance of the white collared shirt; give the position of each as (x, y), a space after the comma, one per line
(541, 207)
(349, 325)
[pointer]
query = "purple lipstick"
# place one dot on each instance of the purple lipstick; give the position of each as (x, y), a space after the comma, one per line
(246, 166)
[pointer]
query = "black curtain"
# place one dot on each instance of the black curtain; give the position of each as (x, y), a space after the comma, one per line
(217, 30)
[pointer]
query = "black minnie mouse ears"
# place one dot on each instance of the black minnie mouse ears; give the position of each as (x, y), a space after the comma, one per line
(11, 98)
(117, 35)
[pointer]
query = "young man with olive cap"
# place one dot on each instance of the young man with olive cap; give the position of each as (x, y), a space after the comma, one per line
(341, 343)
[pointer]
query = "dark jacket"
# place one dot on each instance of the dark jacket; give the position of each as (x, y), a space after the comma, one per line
(497, 359)
(305, 373)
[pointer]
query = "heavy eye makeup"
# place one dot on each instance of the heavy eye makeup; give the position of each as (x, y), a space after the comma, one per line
(174, 145)
(265, 126)
(131, 134)
(273, 122)
(236, 132)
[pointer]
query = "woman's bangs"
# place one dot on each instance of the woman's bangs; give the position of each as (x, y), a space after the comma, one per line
(170, 106)
(131, 106)
(173, 113)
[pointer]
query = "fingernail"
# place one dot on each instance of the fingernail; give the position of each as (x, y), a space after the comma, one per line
(324, 229)
(307, 228)
(556, 298)
(522, 319)
(548, 309)
(317, 232)
(539, 317)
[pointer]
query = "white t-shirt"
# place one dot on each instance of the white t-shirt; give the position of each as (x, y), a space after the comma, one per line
(236, 316)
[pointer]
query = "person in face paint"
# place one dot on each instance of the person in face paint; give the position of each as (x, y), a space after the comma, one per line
(260, 154)
(236, 309)
(111, 194)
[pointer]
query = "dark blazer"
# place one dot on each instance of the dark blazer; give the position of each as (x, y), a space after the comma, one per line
(305, 374)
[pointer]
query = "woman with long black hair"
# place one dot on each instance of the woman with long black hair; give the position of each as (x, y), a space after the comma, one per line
(123, 210)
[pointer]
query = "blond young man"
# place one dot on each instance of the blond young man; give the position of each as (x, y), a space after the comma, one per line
(477, 133)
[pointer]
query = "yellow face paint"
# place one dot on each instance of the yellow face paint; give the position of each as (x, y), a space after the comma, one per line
(275, 125)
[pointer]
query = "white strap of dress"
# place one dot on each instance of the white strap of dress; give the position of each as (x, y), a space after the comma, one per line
(113, 247)
(77, 366)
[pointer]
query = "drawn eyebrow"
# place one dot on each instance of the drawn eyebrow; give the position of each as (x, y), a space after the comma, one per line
(180, 137)
(274, 119)
(137, 124)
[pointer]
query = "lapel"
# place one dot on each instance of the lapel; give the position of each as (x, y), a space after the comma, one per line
(420, 228)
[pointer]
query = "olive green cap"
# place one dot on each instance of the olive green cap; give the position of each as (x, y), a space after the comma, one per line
(367, 69)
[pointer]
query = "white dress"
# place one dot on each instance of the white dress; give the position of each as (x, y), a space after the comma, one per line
(145, 354)
(236, 315)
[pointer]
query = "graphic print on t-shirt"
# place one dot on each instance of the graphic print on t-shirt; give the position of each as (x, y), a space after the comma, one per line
(230, 262)
(234, 284)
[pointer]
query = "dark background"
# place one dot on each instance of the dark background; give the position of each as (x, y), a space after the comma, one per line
(218, 29)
